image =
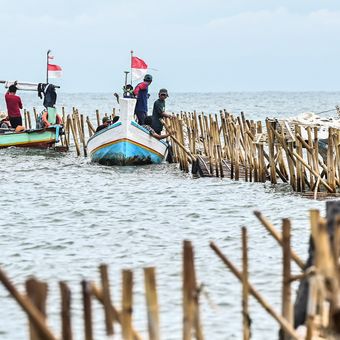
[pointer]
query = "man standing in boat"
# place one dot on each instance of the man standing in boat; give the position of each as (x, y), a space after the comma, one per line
(142, 95)
(14, 104)
(158, 112)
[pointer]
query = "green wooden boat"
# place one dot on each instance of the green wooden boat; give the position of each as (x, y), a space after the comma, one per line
(35, 138)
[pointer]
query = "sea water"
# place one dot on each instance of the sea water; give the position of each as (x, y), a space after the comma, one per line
(62, 216)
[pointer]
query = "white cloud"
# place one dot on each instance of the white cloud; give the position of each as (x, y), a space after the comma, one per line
(234, 45)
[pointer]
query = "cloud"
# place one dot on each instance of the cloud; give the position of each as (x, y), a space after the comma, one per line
(279, 32)
(231, 45)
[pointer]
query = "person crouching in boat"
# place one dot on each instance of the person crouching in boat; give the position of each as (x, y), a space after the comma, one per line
(147, 125)
(106, 122)
(42, 120)
(5, 125)
(14, 105)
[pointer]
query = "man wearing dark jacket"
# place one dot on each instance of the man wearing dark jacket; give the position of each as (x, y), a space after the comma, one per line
(142, 95)
(159, 111)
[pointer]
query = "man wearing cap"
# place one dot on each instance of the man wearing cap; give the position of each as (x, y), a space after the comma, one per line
(141, 93)
(14, 105)
(159, 111)
(106, 123)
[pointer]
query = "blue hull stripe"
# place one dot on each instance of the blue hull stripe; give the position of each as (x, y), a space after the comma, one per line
(125, 153)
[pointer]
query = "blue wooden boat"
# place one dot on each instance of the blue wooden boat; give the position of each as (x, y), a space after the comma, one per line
(126, 142)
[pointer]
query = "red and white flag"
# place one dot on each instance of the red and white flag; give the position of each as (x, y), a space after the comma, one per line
(138, 68)
(54, 71)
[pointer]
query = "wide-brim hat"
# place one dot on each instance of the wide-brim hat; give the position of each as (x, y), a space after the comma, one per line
(3, 115)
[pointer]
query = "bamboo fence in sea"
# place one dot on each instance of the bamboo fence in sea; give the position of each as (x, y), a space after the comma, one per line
(316, 314)
(234, 147)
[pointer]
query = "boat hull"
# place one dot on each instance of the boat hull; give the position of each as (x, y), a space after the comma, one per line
(40, 139)
(126, 143)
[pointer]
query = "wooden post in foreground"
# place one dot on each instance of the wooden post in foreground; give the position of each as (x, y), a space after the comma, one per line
(86, 289)
(36, 317)
(106, 299)
(37, 293)
(126, 315)
(117, 316)
(191, 318)
(245, 288)
(65, 311)
(152, 303)
(287, 307)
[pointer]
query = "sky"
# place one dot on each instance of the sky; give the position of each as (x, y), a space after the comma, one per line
(191, 45)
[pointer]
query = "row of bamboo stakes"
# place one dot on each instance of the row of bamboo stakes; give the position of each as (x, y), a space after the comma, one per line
(231, 146)
(33, 302)
(322, 308)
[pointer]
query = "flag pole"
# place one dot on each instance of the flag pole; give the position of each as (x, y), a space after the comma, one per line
(48, 52)
(126, 75)
(131, 65)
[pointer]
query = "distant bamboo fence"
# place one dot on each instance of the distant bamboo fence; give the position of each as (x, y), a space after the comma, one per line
(231, 146)
(234, 147)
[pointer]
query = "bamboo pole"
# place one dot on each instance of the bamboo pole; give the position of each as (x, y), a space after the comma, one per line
(65, 311)
(98, 117)
(310, 155)
(152, 303)
(287, 307)
(299, 168)
(116, 315)
(37, 293)
(312, 171)
(330, 162)
(90, 127)
(282, 321)
(35, 114)
(80, 127)
(311, 306)
(86, 291)
(181, 138)
(126, 315)
(29, 120)
(83, 134)
(192, 157)
(245, 287)
(106, 299)
(32, 311)
(191, 317)
(237, 152)
(25, 119)
(70, 123)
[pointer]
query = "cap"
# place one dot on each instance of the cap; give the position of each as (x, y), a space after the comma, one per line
(148, 78)
(105, 119)
(163, 91)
